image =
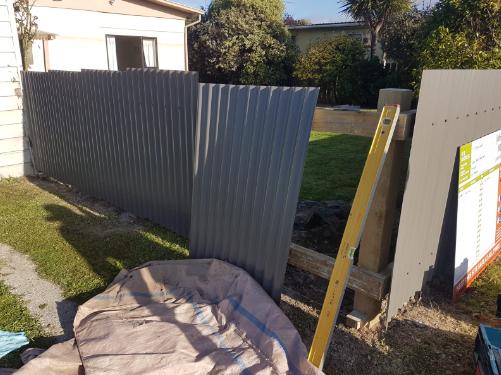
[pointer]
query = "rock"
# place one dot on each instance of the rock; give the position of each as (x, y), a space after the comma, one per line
(126, 217)
(320, 225)
(81, 197)
(303, 217)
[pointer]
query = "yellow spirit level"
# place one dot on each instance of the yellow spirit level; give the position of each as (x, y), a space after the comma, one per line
(352, 233)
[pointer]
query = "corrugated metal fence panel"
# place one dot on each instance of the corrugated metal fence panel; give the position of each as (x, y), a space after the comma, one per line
(126, 137)
(455, 107)
(250, 149)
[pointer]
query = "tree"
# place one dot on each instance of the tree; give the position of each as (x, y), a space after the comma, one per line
(26, 28)
(269, 9)
(462, 34)
(243, 42)
(479, 20)
(289, 20)
(374, 13)
(401, 39)
(444, 49)
(339, 67)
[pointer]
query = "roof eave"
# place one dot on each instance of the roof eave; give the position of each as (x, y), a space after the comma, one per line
(179, 7)
(328, 26)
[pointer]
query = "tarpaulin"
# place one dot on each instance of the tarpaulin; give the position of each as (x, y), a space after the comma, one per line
(10, 341)
(184, 317)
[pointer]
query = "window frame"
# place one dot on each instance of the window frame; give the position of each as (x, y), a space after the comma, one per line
(155, 44)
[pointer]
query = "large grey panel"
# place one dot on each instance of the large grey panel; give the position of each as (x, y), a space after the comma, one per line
(126, 137)
(250, 149)
(455, 107)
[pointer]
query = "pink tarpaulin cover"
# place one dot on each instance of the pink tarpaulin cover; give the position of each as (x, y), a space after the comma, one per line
(179, 317)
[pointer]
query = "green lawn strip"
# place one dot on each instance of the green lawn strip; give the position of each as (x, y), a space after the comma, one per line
(81, 250)
(77, 248)
(481, 296)
(15, 317)
(333, 166)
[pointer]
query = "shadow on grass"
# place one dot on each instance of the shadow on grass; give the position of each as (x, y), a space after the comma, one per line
(107, 244)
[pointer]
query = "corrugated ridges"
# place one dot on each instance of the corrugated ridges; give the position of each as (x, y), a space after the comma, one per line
(126, 137)
(250, 149)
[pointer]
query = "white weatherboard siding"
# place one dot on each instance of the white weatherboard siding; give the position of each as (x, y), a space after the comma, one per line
(80, 37)
(14, 154)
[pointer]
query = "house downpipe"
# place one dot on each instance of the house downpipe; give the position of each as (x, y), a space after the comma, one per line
(186, 65)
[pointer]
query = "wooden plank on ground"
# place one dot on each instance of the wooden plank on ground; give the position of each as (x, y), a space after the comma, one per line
(372, 284)
(363, 123)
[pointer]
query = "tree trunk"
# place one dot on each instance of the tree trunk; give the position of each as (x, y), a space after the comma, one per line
(373, 43)
(26, 53)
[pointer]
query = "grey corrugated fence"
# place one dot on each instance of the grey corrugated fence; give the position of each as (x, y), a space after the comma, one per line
(126, 137)
(250, 150)
(129, 138)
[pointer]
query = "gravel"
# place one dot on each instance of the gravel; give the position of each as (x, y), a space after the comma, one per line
(44, 299)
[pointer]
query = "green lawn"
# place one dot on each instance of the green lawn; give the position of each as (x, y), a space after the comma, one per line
(78, 247)
(15, 317)
(480, 298)
(333, 166)
(82, 249)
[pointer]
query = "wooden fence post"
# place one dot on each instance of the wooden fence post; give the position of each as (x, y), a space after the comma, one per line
(375, 245)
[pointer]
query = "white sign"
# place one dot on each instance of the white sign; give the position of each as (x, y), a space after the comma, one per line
(478, 236)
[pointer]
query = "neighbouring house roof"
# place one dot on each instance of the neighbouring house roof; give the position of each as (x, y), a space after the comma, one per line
(177, 6)
(333, 25)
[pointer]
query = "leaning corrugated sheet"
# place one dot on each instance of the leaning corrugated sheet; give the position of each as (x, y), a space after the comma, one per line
(455, 107)
(126, 137)
(250, 149)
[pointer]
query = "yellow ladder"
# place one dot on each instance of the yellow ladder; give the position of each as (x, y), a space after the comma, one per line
(352, 234)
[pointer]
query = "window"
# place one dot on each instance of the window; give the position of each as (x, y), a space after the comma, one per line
(357, 36)
(131, 52)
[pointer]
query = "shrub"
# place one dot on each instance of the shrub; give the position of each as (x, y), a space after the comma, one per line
(243, 42)
(444, 49)
(340, 68)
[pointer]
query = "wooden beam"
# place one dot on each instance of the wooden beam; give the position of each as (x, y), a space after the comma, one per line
(375, 245)
(361, 123)
(372, 284)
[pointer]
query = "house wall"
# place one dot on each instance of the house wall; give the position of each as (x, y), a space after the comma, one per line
(304, 38)
(79, 40)
(14, 154)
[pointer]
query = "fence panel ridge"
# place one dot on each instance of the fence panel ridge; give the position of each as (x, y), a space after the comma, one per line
(251, 145)
(126, 137)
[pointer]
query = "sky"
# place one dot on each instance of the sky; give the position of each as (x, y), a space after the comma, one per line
(317, 11)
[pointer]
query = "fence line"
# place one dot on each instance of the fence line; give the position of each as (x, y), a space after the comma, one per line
(126, 137)
(129, 138)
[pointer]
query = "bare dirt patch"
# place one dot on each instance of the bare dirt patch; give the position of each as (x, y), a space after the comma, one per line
(44, 299)
(431, 336)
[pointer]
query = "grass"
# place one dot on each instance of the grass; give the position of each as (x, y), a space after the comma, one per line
(82, 246)
(81, 249)
(333, 166)
(15, 317)
(480, 298)
(78, 247)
